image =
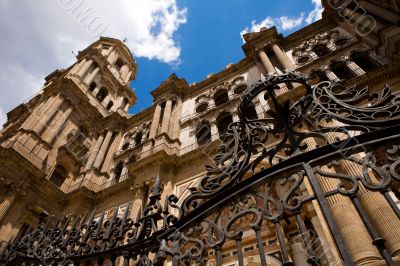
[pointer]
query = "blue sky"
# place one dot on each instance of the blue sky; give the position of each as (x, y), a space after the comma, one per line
(191, 38)
(210, 39)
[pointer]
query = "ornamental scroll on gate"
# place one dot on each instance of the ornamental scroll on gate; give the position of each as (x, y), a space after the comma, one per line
(257, 203)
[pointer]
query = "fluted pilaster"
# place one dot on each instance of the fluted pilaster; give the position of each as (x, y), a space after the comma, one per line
(94, 151)
(166, 116)
(266, 62)
(283, 58)
(156, 121)
(46, 118)
(103, 150)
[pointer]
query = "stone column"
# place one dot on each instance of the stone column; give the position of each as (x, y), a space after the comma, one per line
(96, 90)
(6, 205)
(156, 121)
(103, 150)
(282, 57)
(378, 210)
(111, 151)
(128, 76)
(32, 120)
(266, 62)
(214, 130)
(106, 100)
(78, 66)
(60, 124)
(94, 152)
(166, 116)
(124, 71)
(126, 107)
(355, 68)
(118, 102)
(374, 203)
(52, 111)
(299, 253)
(140, 193)
(174, 127)
(92, 75)
(331, 76)
(84, 68)
(348, 221)
(112, 57)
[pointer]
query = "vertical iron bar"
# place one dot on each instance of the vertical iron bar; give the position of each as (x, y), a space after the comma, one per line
(282, 245)
(175, 261)
(313, 259)
(260, 247)
(376, 239)
(325, 208)
(391, 203)
(218, 255)
(126, 257)
(239, 250)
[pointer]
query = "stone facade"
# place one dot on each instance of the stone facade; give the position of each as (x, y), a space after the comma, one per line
(73, 147)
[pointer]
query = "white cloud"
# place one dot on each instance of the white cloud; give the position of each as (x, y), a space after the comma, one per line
(267, 23)
(38, 38)
(3, 118)
(285, 23)
(290, 23)
(316, 14)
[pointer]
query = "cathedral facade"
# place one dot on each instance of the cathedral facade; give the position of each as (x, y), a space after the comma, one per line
(73, 148)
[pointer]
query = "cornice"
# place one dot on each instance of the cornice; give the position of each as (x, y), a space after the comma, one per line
(220, 77)
(294, 39)
(171, 86)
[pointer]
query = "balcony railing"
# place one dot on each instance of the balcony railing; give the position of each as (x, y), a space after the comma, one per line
(29, 154)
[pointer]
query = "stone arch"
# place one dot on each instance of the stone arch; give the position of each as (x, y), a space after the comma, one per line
(102, 94)
(342, 70)
(92, 86)
(221, 97)
(59, 175)
(223, 121)
(203, 132)
(363, 60)
(118, 171)
(321, 49)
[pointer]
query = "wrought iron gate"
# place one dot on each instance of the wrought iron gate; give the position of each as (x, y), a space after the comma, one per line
(318, 166)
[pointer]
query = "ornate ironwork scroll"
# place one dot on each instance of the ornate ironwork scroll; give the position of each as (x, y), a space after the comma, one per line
(255, 203)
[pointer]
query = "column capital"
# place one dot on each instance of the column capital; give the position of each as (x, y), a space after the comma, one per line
(140, 191)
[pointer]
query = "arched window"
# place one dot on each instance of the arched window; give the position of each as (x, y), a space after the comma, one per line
(221, 97)
(59, 175)
(125, 146)
(92, 86)
(118, 171)
(342, 71)
(250, 112)
(319, 76)
(138, 138)
(203, 133)
(321, 50)
(223, 121)
(240, 89)
(102, 94)
(119, 63)
(110, 105)
(364, 61)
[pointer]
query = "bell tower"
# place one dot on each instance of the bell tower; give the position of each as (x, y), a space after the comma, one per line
(59, 130)
(105, 70)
